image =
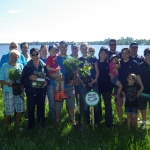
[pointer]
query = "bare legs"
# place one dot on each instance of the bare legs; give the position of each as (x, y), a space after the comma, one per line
(132, 120)
(119, 109)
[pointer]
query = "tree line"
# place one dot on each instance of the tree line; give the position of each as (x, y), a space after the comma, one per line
(121, 41)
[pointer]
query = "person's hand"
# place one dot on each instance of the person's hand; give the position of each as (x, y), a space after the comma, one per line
(84, 85)
(45, 83)
(9, 84)
(32, 77)
(140, 91)
(91, 84)
(111, 76)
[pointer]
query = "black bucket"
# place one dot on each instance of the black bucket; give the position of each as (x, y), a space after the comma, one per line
(16, 88)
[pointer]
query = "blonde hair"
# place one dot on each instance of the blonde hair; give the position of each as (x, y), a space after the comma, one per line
(84, 44)
(132, 75)
(14, 51)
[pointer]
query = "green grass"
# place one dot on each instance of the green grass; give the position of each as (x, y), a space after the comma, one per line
(68, 138)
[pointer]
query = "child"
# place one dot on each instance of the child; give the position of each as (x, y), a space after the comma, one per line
(54, 68)
(113, 69)
(131, 93)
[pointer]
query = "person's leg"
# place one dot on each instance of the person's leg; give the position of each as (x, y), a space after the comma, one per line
(108, 109)
(119, 85)
(50, 93)
(7, 120)
(58, 106)
(134, 121)
(129, 117)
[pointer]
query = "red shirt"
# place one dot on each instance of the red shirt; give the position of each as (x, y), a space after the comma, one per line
(52, 62)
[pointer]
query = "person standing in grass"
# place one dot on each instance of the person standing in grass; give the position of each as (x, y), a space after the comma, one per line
(145, 76)
(12, 102)
(43, 53)
(131, 92)
(104, 86)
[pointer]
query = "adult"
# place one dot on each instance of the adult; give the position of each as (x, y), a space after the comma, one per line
(127, 66)
(113, 46)
(90, 61)
(145, 76)
(43, 53)
(5, 58)
(24, 48)
(74, 50)
(12, 103)
(35, 96)
(70, 102)
(104, 86)
(134, 53)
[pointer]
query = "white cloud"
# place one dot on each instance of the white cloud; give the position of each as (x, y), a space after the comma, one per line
(1, 18)
(13, 11)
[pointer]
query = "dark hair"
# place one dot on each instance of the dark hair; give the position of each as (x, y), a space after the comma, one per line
(42, 46)
(112, 40)
(34, 49)
(63, 42)
(125, 49)
(23, 44)
(103, 49)
(147, 51)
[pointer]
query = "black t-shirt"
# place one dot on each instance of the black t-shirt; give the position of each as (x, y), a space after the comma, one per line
(131, 95)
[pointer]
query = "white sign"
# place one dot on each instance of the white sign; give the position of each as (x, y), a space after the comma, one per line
(91, 98)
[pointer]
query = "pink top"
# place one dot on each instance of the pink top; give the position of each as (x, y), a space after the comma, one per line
(53, 63)
(112, 69)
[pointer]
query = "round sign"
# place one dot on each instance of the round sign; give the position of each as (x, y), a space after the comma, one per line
(91, 98)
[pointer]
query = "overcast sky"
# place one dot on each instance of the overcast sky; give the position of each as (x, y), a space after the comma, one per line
(73, 20)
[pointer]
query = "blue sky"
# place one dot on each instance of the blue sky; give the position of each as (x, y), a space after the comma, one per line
(73, 20)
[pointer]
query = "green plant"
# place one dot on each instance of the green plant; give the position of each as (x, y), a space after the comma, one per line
(71, 64)
(85, 71)
(14, 74)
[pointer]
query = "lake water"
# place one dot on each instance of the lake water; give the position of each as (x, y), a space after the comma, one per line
(5, 48)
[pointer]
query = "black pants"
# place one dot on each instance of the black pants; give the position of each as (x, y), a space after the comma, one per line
(108, 109)
(38, 100)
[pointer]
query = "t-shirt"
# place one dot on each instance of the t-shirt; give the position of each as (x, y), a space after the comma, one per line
(131, 95)
(111, 53)
(126, 68)
(53, 63)
(112, 69)
(4, 74)
(44, 60)
(145, 76)
(60, 62)
(5, 59)
(103, 79)
(138, 59)
(89, 61)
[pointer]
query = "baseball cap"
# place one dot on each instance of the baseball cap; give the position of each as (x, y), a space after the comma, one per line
(51, 47)
(134, 44)
(74, 45)
(63, 42)
(113, 56)
(34, 49)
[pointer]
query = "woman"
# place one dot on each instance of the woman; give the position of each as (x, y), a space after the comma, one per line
(104, 86)
(127, 66)
(35, 68)
(93, 85)
(12, 103)
(43, 53)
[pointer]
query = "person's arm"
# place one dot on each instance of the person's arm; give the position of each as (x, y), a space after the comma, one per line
(3, 82)
(53, 69)
(123, 93)
(140, 83)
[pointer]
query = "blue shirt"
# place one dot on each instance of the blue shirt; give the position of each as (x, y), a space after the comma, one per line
(5, 59)
(90, 61)
(138, 59)
(44, 60)
(103, 79)
(116, 52)
(126, 68)
(63, 71)
(4, 74)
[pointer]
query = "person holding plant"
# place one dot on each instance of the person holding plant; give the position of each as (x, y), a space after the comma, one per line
(35, 92)
(88, 76)
(12, 102)
(104, 87)
(54, 69)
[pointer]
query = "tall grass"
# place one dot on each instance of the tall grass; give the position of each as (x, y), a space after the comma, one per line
(69, 138)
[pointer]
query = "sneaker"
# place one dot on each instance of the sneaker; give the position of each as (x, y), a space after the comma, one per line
(73, 122)
(143, 125)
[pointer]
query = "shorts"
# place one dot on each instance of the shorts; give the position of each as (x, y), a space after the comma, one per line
(70, 102)
(143, 102)
(55, 75)
(13, 103)
(114, 80)
(130, 110)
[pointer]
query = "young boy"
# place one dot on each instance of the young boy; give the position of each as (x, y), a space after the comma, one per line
(54, 68)
(131, 93)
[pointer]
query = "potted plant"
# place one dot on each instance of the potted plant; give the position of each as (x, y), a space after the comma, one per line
(71, 65)
(85, 72)
(14, 75)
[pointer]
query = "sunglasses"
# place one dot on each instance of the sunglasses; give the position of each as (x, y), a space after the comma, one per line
(13, 46)
(35, 54)
(112, 44)
(92, 51)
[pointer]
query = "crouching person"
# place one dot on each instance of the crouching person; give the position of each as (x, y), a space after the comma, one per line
(12, 102)
(33, 79)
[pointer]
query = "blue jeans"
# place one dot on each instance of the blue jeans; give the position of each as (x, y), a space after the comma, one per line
(50, 94)
(86, 107)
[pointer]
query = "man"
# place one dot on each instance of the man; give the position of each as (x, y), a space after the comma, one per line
(70, 102)
(75, 50)
(5, 57)
(112, 46)
(133, 53)
(145, 76)
(24, 48)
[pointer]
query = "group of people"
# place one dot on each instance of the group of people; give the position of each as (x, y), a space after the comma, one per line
(125, 75)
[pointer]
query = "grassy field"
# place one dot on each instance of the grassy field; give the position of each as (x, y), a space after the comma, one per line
(69, 138)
